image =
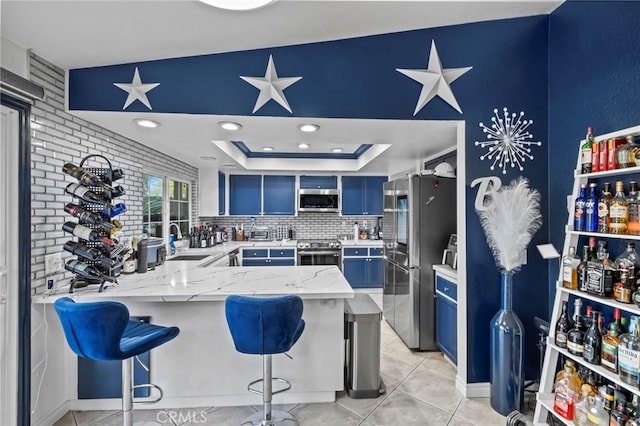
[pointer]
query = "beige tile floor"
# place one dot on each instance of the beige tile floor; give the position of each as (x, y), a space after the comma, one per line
(420, 391)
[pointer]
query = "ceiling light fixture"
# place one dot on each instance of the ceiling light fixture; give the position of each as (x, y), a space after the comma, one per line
(308, 128)
(303, 145)
(337, 150)
(230, 125)
(229, 165)
(267, 148)
(143, 122)
(237, 4)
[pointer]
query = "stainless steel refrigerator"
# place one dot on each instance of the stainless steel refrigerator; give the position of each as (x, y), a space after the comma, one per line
(419, 217)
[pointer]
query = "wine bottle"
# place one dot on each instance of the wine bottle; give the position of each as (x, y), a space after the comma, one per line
(86, 216)
(84, 176)
(86, 194)
(85, 233)
(575, 337)
(593, 341)
(563, 326)
(84, 270)
(81, 249)
(586, 152)
(116, 174)
(116, 192)
(113, 210)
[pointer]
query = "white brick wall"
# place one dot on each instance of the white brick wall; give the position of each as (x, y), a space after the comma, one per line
(66, 138)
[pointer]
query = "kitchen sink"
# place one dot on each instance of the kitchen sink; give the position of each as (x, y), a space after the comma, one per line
(190, 257)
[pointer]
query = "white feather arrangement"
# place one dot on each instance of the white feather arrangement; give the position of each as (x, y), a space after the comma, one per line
(511, 217)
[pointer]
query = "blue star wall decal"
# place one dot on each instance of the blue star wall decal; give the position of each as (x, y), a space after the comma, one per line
(435, 81)
(271, 87)
(136, 90)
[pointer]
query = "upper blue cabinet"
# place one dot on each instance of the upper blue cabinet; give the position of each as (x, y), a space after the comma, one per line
(249, 193)
(245, 194)
(318, 182)
(363, 195)
(279, 195)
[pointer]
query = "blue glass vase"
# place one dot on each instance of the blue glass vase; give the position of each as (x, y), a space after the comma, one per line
(507, 340)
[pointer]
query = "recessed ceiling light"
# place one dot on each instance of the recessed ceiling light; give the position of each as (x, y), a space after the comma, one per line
(143, 122)
(237, 4)
(303, 145)
(267, 148)
(208, 158)
(230, 125)
(308, 128)
(337, 150)
(229, 165)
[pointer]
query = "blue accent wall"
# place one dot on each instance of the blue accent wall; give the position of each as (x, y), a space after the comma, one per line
(594, 80)
(357, 78)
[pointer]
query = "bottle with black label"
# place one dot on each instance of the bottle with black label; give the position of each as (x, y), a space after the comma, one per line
(593, 341)
(575, 337)
(81, 249)
(563, 326)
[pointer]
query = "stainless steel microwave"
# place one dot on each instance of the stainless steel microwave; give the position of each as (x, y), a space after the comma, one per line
(318, 200)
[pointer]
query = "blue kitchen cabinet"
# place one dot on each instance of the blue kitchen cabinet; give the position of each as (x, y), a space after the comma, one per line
(245, 194)
(268, 257)
(363, 195)
(221, 193)
(361, 269)
(447, 317)
(318, 182)
(279, 195)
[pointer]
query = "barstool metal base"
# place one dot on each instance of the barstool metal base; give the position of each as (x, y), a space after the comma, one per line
(278, 417)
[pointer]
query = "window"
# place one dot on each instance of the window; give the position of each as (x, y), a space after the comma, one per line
(152, 203)
(179, 205)
(159, 196)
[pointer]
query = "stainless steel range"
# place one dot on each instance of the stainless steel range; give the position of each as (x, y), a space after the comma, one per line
(319, 252)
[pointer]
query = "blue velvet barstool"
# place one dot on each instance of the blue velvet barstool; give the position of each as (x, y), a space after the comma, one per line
(265, 326)
(102, 331)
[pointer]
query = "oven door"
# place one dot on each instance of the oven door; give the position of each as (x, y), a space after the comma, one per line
(320, 257)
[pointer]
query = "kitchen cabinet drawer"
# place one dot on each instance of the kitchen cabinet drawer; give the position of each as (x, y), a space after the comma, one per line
(269, 262)
(255, 262)
(447, 287)
(248, 253)
(356, 251)
(282, 262)
(282, 253)
(376, 251)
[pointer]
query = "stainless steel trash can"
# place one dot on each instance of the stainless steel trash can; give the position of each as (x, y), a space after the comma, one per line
(362, 347)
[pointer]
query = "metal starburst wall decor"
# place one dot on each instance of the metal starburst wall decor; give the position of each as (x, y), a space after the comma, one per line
(508, 140)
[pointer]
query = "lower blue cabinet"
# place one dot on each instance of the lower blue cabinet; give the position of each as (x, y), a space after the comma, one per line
(363, 272)
(268, 257)
(447, 317)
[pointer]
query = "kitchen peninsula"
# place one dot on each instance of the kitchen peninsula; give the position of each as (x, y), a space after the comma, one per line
(201, 366)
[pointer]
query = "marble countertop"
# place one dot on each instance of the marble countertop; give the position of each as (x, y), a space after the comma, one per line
(446, 271)
(183, 281)
(367, 243)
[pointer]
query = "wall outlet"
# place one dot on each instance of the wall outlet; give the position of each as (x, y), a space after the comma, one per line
(52, 263)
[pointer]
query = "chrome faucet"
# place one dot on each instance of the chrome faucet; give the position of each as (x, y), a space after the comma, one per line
(177, 234)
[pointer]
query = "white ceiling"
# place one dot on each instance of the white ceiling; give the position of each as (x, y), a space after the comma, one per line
(74, 34)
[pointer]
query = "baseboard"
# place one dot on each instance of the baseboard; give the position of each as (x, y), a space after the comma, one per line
(473, 390)
(53, 416)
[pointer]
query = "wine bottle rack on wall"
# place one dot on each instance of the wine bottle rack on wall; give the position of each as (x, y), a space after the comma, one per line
(105, 262)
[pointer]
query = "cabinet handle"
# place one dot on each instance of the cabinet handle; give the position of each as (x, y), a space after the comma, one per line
(446, 289)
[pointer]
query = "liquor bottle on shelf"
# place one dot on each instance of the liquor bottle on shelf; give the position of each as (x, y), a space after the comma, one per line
(604, 204)
(609, 351)
(81, 249)
(629, 354)
(86, 271)
(593, 341)
(631, 259)
(85, 177)
(581, 408)
(595, 157)
(586, 152)
(563, 326)
(588, 254)
(86, 194)
(597, 415)
(86, 216)
(624, 153)
(579, 218)
(570, 264)
(567, 392)
(619, 211)
(633, 225)
(575, 337)
(591, 209)
(619, 415)
(603, 151)
(85, 233)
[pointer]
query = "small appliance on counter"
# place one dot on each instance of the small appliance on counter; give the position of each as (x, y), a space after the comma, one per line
(151, 253)
(450, 255)
(259, 233)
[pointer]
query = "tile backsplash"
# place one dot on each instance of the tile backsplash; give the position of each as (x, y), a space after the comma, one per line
(306, 226)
